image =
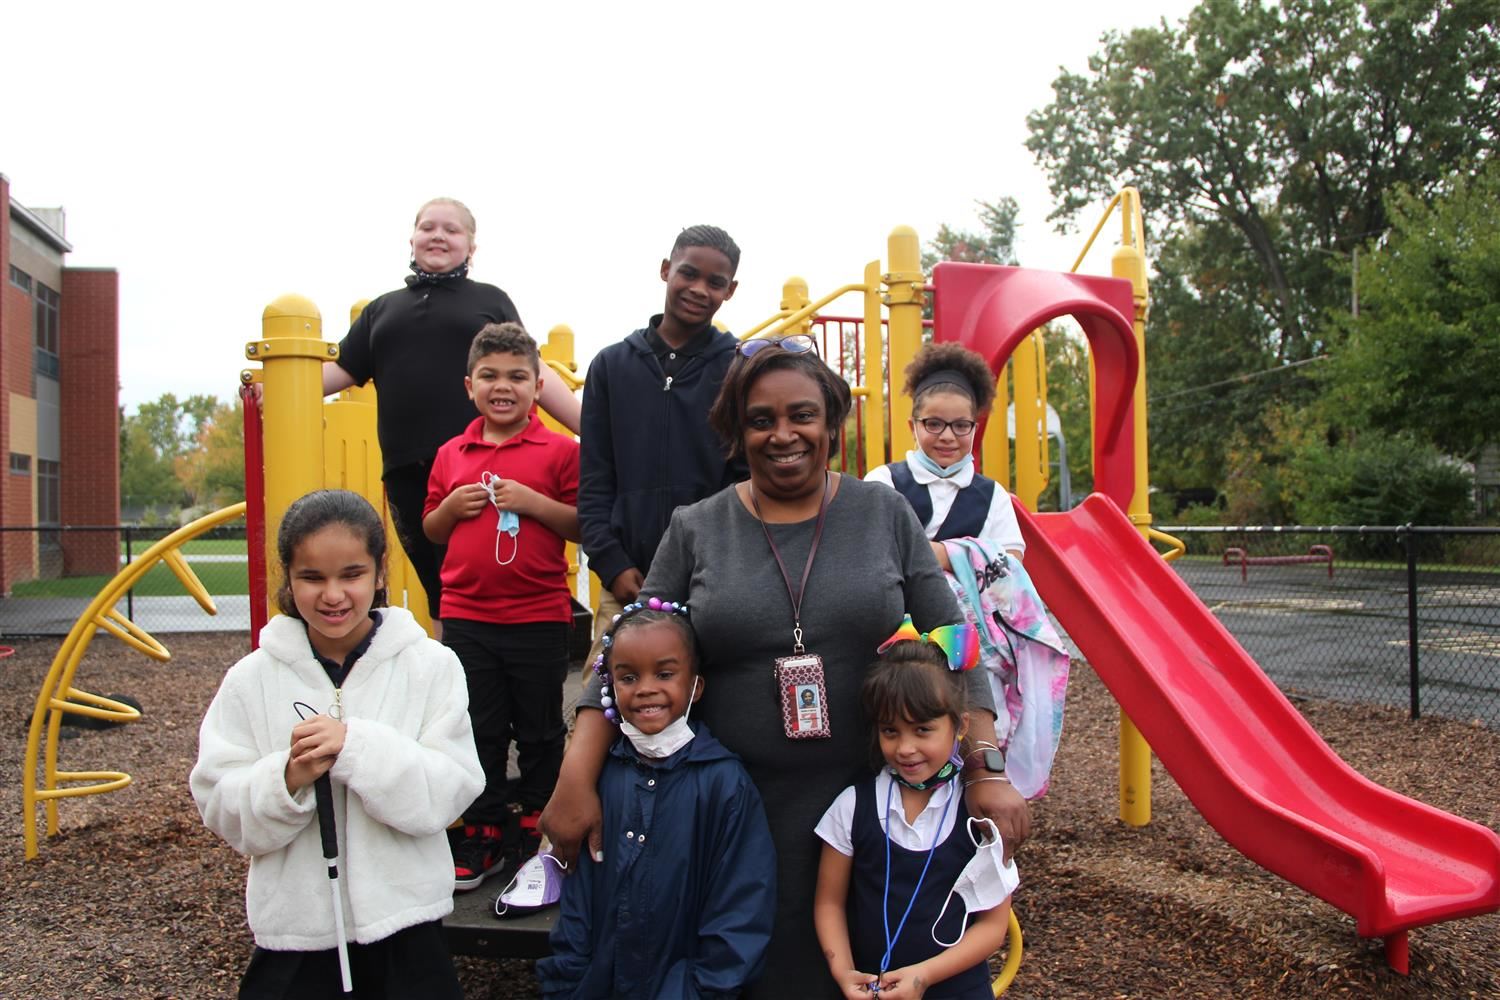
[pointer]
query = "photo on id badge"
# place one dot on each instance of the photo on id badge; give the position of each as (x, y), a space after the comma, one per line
(804, 712)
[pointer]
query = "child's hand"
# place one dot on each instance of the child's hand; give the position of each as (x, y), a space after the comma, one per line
(315, 746)
(511, 495)
(466, 501)
(855, 985)
(906, 983)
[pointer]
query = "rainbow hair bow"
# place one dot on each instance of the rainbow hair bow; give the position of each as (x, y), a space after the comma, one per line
(959, 643)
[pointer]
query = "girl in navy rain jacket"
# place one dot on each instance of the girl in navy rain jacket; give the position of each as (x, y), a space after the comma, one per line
(682, 903)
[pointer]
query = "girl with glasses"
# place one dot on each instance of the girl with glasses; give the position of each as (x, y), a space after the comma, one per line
(970, 523)
(950, 388)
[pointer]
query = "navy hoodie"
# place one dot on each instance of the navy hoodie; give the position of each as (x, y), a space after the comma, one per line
(645, 448)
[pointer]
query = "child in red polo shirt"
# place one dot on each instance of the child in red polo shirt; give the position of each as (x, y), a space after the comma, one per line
(502, 498)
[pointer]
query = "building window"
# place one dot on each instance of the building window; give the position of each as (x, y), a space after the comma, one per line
(20, 279)
(48, 315)
(49, 500)
(20, 465)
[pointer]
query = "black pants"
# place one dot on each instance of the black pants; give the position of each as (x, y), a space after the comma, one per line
(406, 492)
(411, 964)
(515, 675)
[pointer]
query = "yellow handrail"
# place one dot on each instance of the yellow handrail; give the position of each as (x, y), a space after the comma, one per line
(1175, 546)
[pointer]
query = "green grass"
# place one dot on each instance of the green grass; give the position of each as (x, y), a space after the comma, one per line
(196, 547)
(218, 578)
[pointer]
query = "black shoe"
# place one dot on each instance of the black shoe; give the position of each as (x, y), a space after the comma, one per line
(522, 836)
(478, 855)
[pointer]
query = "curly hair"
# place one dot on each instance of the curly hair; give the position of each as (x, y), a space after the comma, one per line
(978, 381)
(504, 338)
(727, 415)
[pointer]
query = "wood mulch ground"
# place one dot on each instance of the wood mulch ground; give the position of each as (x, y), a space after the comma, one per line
(136, 899)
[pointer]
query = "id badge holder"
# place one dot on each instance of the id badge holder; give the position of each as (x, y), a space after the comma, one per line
(804, 696)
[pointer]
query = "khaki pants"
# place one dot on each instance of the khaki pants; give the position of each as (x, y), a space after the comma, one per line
(603, 619)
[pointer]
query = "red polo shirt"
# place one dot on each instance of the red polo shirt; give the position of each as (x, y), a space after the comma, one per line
(534, 586)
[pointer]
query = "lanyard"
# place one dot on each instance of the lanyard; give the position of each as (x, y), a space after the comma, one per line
(796, 598)
(885, 900)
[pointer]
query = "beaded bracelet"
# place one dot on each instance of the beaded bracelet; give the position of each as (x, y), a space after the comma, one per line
(606, 695)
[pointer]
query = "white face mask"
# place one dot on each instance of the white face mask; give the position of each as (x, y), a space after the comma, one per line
(677, 735)
(986, 881)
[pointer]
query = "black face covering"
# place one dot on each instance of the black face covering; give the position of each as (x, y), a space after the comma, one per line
(421, 277)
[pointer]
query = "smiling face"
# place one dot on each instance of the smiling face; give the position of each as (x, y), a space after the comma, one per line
(918, 750)
(651, 671)
(333, 579)
(699, 281)
(786, 436)
(947, 447)
(503, 387)
(442, 239)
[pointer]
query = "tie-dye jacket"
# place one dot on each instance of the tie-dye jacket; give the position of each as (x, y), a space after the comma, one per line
(1022, 652)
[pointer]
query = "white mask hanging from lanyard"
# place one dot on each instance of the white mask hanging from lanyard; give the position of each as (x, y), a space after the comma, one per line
(986, 881)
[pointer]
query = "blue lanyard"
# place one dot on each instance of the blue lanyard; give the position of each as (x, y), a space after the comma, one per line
(885, 899)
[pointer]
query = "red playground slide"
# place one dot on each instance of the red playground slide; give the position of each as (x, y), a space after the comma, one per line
(1243, 755)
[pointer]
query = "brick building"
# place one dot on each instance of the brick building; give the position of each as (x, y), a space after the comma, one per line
(59, 400)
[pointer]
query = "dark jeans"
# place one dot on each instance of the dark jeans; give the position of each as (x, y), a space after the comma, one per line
(515, 675)
(409, 964)
(406, 492)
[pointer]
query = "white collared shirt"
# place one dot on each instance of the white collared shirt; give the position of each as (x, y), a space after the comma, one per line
(836, 828)
(1000, 525)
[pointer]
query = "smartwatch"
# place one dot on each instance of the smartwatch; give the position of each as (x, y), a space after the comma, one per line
(992, 760)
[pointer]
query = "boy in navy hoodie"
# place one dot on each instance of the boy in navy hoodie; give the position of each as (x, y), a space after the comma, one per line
(645, 444)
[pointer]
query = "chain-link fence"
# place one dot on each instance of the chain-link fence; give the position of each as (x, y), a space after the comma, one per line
(52, 573)
(1406, 616)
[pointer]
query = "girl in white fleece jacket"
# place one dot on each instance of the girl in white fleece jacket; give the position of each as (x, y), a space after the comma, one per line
(368, 699)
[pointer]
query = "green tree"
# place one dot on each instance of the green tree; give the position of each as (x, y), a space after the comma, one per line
(1423, 355)
(213, 472)
(995, 245)
(1286, 123)
(1068, 393)
(146, 478)
(153, 442)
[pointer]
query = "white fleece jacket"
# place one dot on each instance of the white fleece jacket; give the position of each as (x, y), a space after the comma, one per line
(407, 770)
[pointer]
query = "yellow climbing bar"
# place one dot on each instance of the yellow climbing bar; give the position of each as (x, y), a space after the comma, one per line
(58, 695)
(1012, 965)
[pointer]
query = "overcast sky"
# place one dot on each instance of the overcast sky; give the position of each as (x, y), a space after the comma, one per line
(219, 156)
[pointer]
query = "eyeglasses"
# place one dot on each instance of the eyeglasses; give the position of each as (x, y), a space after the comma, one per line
(935, 427)
(797, 343)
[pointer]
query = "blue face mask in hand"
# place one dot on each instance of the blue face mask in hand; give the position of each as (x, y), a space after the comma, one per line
(509, 523)
(986, 881)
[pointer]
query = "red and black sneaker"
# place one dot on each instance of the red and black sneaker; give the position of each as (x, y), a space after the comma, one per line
(476, 856)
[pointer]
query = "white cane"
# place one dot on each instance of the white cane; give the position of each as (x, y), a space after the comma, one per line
(323, 791)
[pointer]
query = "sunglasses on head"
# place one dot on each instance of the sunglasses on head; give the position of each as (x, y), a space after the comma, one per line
(797, 343)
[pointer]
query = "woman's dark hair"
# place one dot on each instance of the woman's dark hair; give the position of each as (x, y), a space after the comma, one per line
(312, 513)
(646, 616)
(973, 376)
(727, 416)
(911, 681)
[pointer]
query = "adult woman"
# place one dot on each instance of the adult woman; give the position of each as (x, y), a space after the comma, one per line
(414, 342)
(794, 556)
